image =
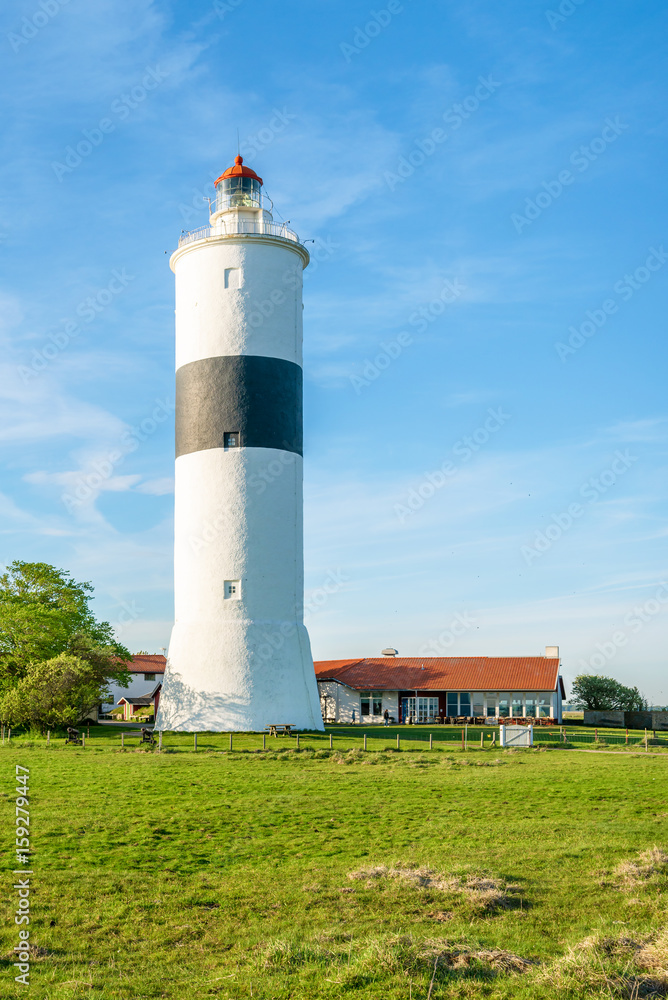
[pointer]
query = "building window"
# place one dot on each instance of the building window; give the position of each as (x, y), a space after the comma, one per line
(504, 706)
(452, 703)
(231, 439)
(531, 706)
(232, 277)
(544, 706)
(491, 706)
(518, 706)
(371, 703)
(465, 704)
(232, 590)
(149, 677)
(478, 705)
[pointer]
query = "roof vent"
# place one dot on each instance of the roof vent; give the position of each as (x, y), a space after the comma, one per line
(389, 652)
(552, 652)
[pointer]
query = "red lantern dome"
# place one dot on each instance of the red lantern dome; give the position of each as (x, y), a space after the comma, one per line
(238, 170)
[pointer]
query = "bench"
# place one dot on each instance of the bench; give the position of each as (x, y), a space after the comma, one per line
(284, 729)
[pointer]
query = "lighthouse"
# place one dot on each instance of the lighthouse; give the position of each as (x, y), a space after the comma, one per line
(239, 656)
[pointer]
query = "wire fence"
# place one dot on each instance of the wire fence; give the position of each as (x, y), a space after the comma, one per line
(340, 739)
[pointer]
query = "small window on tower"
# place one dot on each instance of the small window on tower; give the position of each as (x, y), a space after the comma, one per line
(232, 590)
(231, 439)
(232, 277)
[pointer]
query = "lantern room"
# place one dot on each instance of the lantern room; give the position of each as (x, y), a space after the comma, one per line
(238, 188)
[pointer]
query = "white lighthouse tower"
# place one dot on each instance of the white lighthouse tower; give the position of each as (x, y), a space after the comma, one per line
(239, 656)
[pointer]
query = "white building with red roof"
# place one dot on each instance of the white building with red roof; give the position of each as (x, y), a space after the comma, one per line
(146, 672)
(442, 688)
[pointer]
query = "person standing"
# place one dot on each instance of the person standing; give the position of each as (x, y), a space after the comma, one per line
(386, 717)
(353, 717)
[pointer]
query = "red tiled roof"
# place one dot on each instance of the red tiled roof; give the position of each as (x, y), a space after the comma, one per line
(149, 663)
(444, 673)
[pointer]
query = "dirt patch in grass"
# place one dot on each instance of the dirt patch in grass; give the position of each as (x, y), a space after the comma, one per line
(647, 864)
(457, 956)
(483, 892)
(621, 967)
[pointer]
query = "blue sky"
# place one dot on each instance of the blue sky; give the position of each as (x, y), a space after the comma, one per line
(485, 350)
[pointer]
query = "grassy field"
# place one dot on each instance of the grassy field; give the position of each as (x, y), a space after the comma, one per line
(309, 873)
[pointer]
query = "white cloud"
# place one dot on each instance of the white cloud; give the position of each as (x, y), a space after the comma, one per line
(157, 487)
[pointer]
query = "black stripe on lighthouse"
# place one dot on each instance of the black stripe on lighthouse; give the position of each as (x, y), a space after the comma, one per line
(260, 398)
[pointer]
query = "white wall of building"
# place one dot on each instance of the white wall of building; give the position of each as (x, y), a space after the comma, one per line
(137, 687)
(343, 700)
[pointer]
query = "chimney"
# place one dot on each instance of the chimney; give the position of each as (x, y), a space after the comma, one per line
(389, 652)
(552, 652)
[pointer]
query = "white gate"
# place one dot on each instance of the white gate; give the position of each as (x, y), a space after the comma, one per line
(516, 736)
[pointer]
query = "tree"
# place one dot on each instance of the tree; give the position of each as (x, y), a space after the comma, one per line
(58, 692)
(599, 693)
(43, 614)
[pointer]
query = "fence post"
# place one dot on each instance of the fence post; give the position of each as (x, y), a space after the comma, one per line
(431, 741)
(230, 741)
(83, 742)
(466, 737)
(398, 744)
(330, 741)
(596, 735)
(9, 734)
(122, 741)
(298, 742)
(264, 741)
(482, 739)
(159, 741)
(645, 741)
(365, 741)
(48, 737)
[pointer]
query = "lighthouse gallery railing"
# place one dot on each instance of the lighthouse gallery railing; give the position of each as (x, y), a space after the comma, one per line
(234, 228)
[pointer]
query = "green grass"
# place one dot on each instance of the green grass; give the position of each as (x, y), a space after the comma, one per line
(186, 875)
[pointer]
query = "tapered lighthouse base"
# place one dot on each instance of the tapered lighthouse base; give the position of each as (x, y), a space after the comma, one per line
(238, 676)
